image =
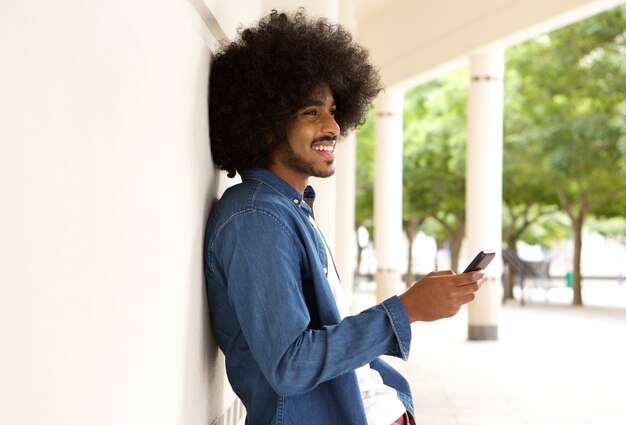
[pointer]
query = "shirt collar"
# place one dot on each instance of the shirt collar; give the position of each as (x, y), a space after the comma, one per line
(303, 200)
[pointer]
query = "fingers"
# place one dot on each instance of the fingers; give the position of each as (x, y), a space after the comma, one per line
(464, 290)
(441, 273)
(440, 294)
(468, 278)
(459, 279)
(467, 298)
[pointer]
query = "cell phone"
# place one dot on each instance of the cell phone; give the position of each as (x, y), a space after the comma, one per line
(482, 259)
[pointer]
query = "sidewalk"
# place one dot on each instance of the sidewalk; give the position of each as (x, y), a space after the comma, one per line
(552, 365)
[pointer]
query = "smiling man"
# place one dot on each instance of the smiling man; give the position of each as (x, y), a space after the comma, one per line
(281, 96)
(311, 140)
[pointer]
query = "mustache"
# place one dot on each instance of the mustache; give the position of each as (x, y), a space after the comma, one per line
(326, 138)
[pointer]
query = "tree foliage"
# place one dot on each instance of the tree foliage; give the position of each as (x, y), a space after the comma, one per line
(570, 117)
(364, 203)
(564, 141)
(435, 137)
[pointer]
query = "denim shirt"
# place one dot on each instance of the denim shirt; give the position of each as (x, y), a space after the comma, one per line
(289, 356)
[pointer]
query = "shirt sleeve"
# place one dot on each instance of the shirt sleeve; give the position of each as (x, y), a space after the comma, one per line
(261, 261)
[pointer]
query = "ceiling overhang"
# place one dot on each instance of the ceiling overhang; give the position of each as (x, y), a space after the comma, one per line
(414, 41)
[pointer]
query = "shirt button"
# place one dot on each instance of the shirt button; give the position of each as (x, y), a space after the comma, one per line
(325, 270)
(295, 200)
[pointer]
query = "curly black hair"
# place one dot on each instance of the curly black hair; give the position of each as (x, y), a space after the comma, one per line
(259, 81)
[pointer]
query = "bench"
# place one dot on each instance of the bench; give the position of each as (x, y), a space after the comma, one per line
(539, 271)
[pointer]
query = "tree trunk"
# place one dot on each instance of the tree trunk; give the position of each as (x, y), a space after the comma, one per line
(359, 259)
(411, 229)
(509, 277)
(456, 239)
(577, 219)
(576, 275)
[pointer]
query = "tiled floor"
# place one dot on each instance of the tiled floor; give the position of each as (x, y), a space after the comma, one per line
(552, 365)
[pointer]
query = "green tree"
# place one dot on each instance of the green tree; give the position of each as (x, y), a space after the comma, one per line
(574, 99)
(435, 137)
(364, 202)
(609, 219)
(527, 199)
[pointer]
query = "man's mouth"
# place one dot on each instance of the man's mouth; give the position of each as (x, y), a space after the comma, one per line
(324, 147)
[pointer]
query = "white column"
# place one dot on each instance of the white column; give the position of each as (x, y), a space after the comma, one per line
(345, 194)
(484, 187)
(388, 194)
(345, 243)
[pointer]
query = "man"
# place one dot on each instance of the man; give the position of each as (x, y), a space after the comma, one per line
(280, 98)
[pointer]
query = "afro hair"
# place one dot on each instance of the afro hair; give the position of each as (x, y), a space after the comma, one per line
(260, 80)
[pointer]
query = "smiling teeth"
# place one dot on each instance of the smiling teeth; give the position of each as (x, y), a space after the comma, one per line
(324, 148)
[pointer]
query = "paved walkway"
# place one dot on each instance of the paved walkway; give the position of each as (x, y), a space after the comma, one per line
(552, 365)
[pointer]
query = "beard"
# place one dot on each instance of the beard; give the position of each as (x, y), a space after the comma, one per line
(302, 165)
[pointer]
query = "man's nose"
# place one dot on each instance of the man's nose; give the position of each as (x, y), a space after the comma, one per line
(330, 126)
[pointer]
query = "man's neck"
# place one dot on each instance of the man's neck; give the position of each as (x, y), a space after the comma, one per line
(296, 180)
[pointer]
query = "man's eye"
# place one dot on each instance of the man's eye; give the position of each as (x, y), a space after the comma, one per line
(310, 112)
(333, 112)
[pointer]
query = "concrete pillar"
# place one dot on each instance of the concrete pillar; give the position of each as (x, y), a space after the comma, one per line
(345, 243)
(345, 194)
(484, 187)
(388, 194)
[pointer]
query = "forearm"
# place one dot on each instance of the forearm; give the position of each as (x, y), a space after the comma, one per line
(316, 356)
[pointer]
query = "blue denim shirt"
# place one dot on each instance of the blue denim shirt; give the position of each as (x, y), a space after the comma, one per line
(289, 356)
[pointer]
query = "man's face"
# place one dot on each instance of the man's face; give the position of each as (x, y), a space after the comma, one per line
(312, 137)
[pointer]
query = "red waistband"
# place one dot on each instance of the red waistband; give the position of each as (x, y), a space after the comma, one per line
(402, 420)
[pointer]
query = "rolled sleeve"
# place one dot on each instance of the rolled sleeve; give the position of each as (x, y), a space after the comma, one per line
(399, 323)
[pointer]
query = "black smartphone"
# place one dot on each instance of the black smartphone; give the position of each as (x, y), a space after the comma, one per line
(482, 259)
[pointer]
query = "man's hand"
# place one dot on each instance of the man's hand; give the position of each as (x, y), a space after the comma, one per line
(439, 295)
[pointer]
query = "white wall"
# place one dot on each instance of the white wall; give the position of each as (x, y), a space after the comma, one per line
(105, 183)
